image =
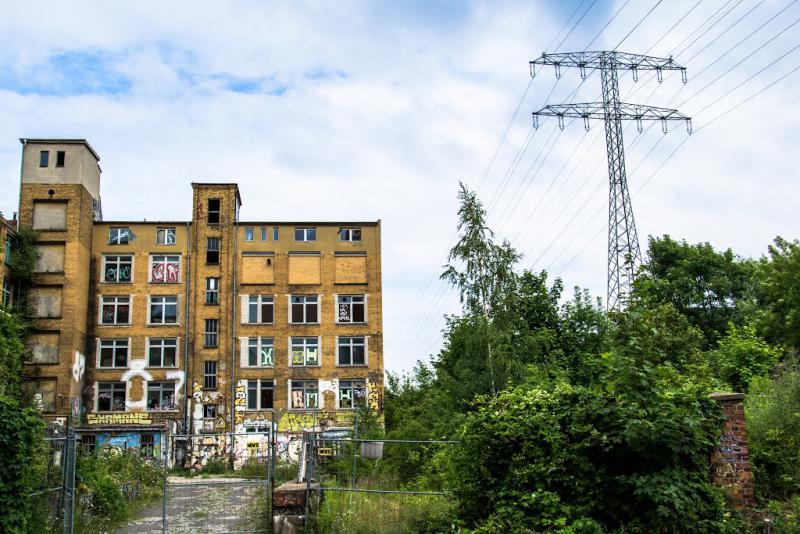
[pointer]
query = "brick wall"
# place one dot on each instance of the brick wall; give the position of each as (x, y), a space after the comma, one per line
(730, 460)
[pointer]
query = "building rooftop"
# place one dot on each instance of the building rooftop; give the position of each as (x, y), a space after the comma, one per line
(40, 141)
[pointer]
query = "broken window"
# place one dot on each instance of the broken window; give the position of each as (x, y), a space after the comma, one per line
(113, 353)
(304, 309)
(260, 309)
(163, 310)
(352, 351)
(161, 396)
(352, 393)
(210, 411)
(147, 447)
(61, 158)
(260, 352)
(213, 210)
(166, 236)
(349, 234)
(118, 235)
(110, 396)
(165, 269)
(249, 233)
(305, 351)
(209, 375)
(44, 158)
(212, 290)
(351, 309)
(115, 310)
(304, 395)
(260, 394)
(117, 269)
(212, 250)
(211, 334)
(162, 352)
(305, 234)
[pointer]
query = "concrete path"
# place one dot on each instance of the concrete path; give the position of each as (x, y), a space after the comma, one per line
(205, 505)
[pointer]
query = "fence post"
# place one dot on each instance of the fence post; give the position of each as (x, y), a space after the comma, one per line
(270, 473)
(355, 444)
(164, 455)
(69, 459)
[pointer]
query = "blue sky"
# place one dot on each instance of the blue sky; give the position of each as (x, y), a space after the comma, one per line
(375, 110)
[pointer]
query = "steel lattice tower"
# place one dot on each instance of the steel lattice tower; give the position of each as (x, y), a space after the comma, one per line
(624, 254)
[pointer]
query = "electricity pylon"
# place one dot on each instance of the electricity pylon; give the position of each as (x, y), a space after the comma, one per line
(624, 254)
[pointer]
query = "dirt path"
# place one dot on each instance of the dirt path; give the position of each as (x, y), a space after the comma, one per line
(205, 505)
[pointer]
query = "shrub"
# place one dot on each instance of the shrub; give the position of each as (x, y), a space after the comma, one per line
(216, 466)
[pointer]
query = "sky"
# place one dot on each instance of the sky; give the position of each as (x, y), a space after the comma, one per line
(376, 110)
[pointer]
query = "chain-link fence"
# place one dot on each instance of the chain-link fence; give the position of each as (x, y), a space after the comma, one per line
(365, 485)
(53, 500)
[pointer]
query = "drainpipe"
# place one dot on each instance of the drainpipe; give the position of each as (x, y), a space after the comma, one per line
(186, 382)
(234, 306)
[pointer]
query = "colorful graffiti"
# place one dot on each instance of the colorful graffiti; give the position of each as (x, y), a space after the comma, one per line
(122, 418)
(240, 402)
(165, 271)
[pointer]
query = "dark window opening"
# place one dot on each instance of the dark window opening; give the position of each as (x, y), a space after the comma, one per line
(213, 210)
(212, 250)
(61, 157)
(211, 337)
(209, 375)
(148, 446)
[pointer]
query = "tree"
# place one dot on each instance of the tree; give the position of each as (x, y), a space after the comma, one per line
(778, 315)
(742, 355)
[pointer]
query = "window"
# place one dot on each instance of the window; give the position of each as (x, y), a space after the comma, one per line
(211, 336)
(212, 250)
(305, 394)
(210, 411)
(260, 394)
(113, 353)
(352, 393)
(248, 233)
(118, 235)
(117, 269)
(275, 233)
(349, 234)
(147, 448)
(260, 309)
(115, 310)
(88, 443)
(7, 257)
(161, 396)
(209, 375)
(350, 309)
(212, 290)
(260, 352)
(165, 269)
(44, 158)
(305, 351)
(352, 351)
(61, 158)
(162, 352)
(166, 236)
(305, 234)
(163, 310)
(43, 392)
(213, 211)
(7, 293)
(263, 233)
(304, 309)
(110, 396)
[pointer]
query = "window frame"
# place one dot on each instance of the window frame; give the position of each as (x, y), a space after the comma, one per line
(61, 158)
(354, 405)
(160, 387)
(309, 234)
(161, 342)
(212, 290)
(306, 391)
(352, 344)
(166, 231)
(259, 301)
(264, 232)
(122, 232)
(317, 303)
(119, 263)
(116, 344)
(349, 232)
(304, 342)
(211, 335)
(164, 304)
(113, 386)
(350, 305)
(217, 212)
(7, 294)
(261, 385)
(258, 343)
(217, 241)
(276, 233)
(168, 259)
(249, 233)
(44, 159)
(116, 305)
(210, 377)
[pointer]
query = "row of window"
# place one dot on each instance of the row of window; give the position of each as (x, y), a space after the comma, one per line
(260, 395)
(257, 309)
(259, 351)
(167, 235)
(44, 158)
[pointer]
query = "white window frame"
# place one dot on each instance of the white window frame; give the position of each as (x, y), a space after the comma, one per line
(337, 304)
(264, 232)
(105, 263)
(307, 230)
(305, 346)
(244, 351)
(215, 289)
(305, 403)
(258, 407)
(166, 232)
(291, 314)
(353, 400)
(166, 262)
(349, 233)
(261, 299)
(161, 383)
(116, 304)
(120, 231)
(366, 352)
(97, 396)
(99, 347)
(249, 233)
(163, 305)
(148, 345)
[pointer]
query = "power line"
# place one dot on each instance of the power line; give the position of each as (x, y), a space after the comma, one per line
(606, 25)
(638, 24)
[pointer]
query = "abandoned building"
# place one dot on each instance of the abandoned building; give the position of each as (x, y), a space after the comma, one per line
(152, 330)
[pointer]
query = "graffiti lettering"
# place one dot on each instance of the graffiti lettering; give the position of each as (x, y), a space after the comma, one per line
(130, 418)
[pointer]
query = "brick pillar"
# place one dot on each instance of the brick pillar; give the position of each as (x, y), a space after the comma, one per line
(730, 461)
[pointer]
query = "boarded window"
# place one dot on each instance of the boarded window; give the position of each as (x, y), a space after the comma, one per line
(50, 258)
(44, 347)
(258, 269)
(46, 302)
(350, 269)
(49, 215)
(304, 268)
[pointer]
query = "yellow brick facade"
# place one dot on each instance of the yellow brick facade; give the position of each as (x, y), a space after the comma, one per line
(156, 331)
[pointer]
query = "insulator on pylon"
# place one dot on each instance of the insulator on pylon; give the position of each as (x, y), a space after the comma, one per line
(586, 122)
(639, 127)
(659, 74)
(689, 126)
(561, 122)
(684, 77)
(536, 121)
(557, 67)
(533, 70)
(635, 73)
(583, 71)
(663, 125)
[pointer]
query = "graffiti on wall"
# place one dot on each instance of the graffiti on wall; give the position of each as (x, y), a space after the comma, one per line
(165, 271)
(240, 402)
(137, 369)
(122, 418)
(78, 367)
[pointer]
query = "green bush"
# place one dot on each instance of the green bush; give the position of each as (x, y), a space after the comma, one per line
(742, 355)
(216, 466)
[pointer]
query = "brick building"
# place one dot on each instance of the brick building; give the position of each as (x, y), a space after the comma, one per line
(194, 327)
(7, 234)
